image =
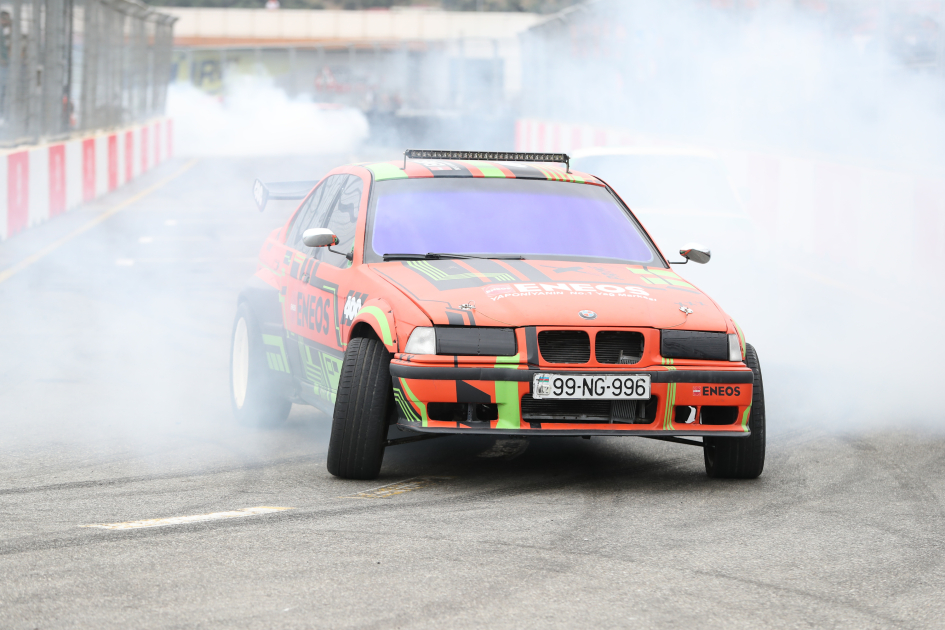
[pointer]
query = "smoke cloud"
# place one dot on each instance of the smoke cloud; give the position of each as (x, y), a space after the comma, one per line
(832, 134)
(255, 118)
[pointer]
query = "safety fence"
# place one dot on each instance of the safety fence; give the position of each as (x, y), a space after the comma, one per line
(40, 182)
(72, 66)
(814, 209)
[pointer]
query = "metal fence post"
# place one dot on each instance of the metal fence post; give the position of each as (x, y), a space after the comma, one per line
(80, 65)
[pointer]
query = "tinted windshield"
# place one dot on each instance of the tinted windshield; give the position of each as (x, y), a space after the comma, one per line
(531, 218)
(686, 183)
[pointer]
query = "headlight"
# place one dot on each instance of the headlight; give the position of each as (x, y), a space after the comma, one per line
(422, 341)
(462, 340)
(694, 344)
(734, 348)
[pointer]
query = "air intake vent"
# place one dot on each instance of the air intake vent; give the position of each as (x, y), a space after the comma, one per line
(618, 346)
(565, 410)
(565, 346)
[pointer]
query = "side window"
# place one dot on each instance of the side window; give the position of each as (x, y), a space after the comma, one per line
(314, 211)
(343, 221)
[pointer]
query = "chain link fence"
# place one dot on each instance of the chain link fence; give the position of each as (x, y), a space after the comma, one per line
(71, 66)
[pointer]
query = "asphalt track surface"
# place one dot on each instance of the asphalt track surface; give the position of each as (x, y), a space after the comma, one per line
(114, 408)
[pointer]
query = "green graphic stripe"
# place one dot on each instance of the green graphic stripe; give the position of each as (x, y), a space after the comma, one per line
(517, 359)
(510, 412)
(381, 318)
(423, 408)
(278, 362)
(670, 407)
(506, 395)
(741, 339)
(487, 170)
(405, 407)
(745, 418)
(559, 176)
(384, 171)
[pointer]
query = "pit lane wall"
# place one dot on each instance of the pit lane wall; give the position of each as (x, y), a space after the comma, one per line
(817, 208)
(40, 182)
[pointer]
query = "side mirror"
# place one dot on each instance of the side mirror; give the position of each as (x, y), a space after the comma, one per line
(319, 237)
(696, 253)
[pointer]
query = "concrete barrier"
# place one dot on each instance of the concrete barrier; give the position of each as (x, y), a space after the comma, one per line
(40, 182)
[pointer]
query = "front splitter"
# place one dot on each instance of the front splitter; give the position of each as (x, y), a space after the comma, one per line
(573, 432)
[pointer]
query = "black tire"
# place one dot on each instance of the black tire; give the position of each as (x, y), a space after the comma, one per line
(359, 426)
(741, 457)
(255, 395)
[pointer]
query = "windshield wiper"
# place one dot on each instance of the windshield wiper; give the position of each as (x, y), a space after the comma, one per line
(481, 256)
(387, 257)
(441, 256)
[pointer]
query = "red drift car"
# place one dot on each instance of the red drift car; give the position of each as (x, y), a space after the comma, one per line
(486, 293)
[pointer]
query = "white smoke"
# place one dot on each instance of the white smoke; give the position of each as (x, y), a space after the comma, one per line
(255, 118)
(839, 286)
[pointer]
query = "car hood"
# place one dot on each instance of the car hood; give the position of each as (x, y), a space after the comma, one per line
(474, 292)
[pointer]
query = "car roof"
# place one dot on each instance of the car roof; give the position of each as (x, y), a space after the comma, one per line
(420, 169)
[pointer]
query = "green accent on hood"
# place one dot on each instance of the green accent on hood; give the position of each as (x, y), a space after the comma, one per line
(383, 171)
(436, 274)
(381, 318)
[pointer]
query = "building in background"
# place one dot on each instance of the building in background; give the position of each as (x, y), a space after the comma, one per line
(420, 75)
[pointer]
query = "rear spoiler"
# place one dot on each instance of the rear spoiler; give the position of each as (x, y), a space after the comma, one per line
(279, 191)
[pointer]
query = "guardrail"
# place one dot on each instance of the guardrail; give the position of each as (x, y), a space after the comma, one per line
(40, 182)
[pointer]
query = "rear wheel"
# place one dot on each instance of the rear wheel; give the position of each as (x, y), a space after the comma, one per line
(359, 426)
(255, 395)
(741, 457)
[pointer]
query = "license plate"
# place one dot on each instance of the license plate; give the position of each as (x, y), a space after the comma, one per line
(592, 386)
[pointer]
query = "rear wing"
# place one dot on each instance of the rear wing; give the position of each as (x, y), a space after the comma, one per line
(280, 191)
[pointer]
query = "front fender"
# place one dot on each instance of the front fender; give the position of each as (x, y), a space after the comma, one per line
(377, 314)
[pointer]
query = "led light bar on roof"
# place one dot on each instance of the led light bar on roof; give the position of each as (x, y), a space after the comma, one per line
(492, 156)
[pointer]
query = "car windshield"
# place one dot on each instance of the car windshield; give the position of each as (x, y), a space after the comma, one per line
(504, 217)
(687, 183)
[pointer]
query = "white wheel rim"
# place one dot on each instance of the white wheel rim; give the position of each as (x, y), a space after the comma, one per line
(240, 363)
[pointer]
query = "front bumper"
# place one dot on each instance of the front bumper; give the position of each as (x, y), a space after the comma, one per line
(497, 400)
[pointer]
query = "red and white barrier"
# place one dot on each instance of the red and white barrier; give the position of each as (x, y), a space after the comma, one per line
(40, 182)
(876, 219)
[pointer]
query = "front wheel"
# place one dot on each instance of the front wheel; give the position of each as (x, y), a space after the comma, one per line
(359, 425)
(741, 457)
(254, 393)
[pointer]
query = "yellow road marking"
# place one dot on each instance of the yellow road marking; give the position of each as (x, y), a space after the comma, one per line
(179, 520)
(408, 485)
(9, 272)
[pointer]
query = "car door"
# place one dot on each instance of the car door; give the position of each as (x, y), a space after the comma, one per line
(309, 304)
(334, 272)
